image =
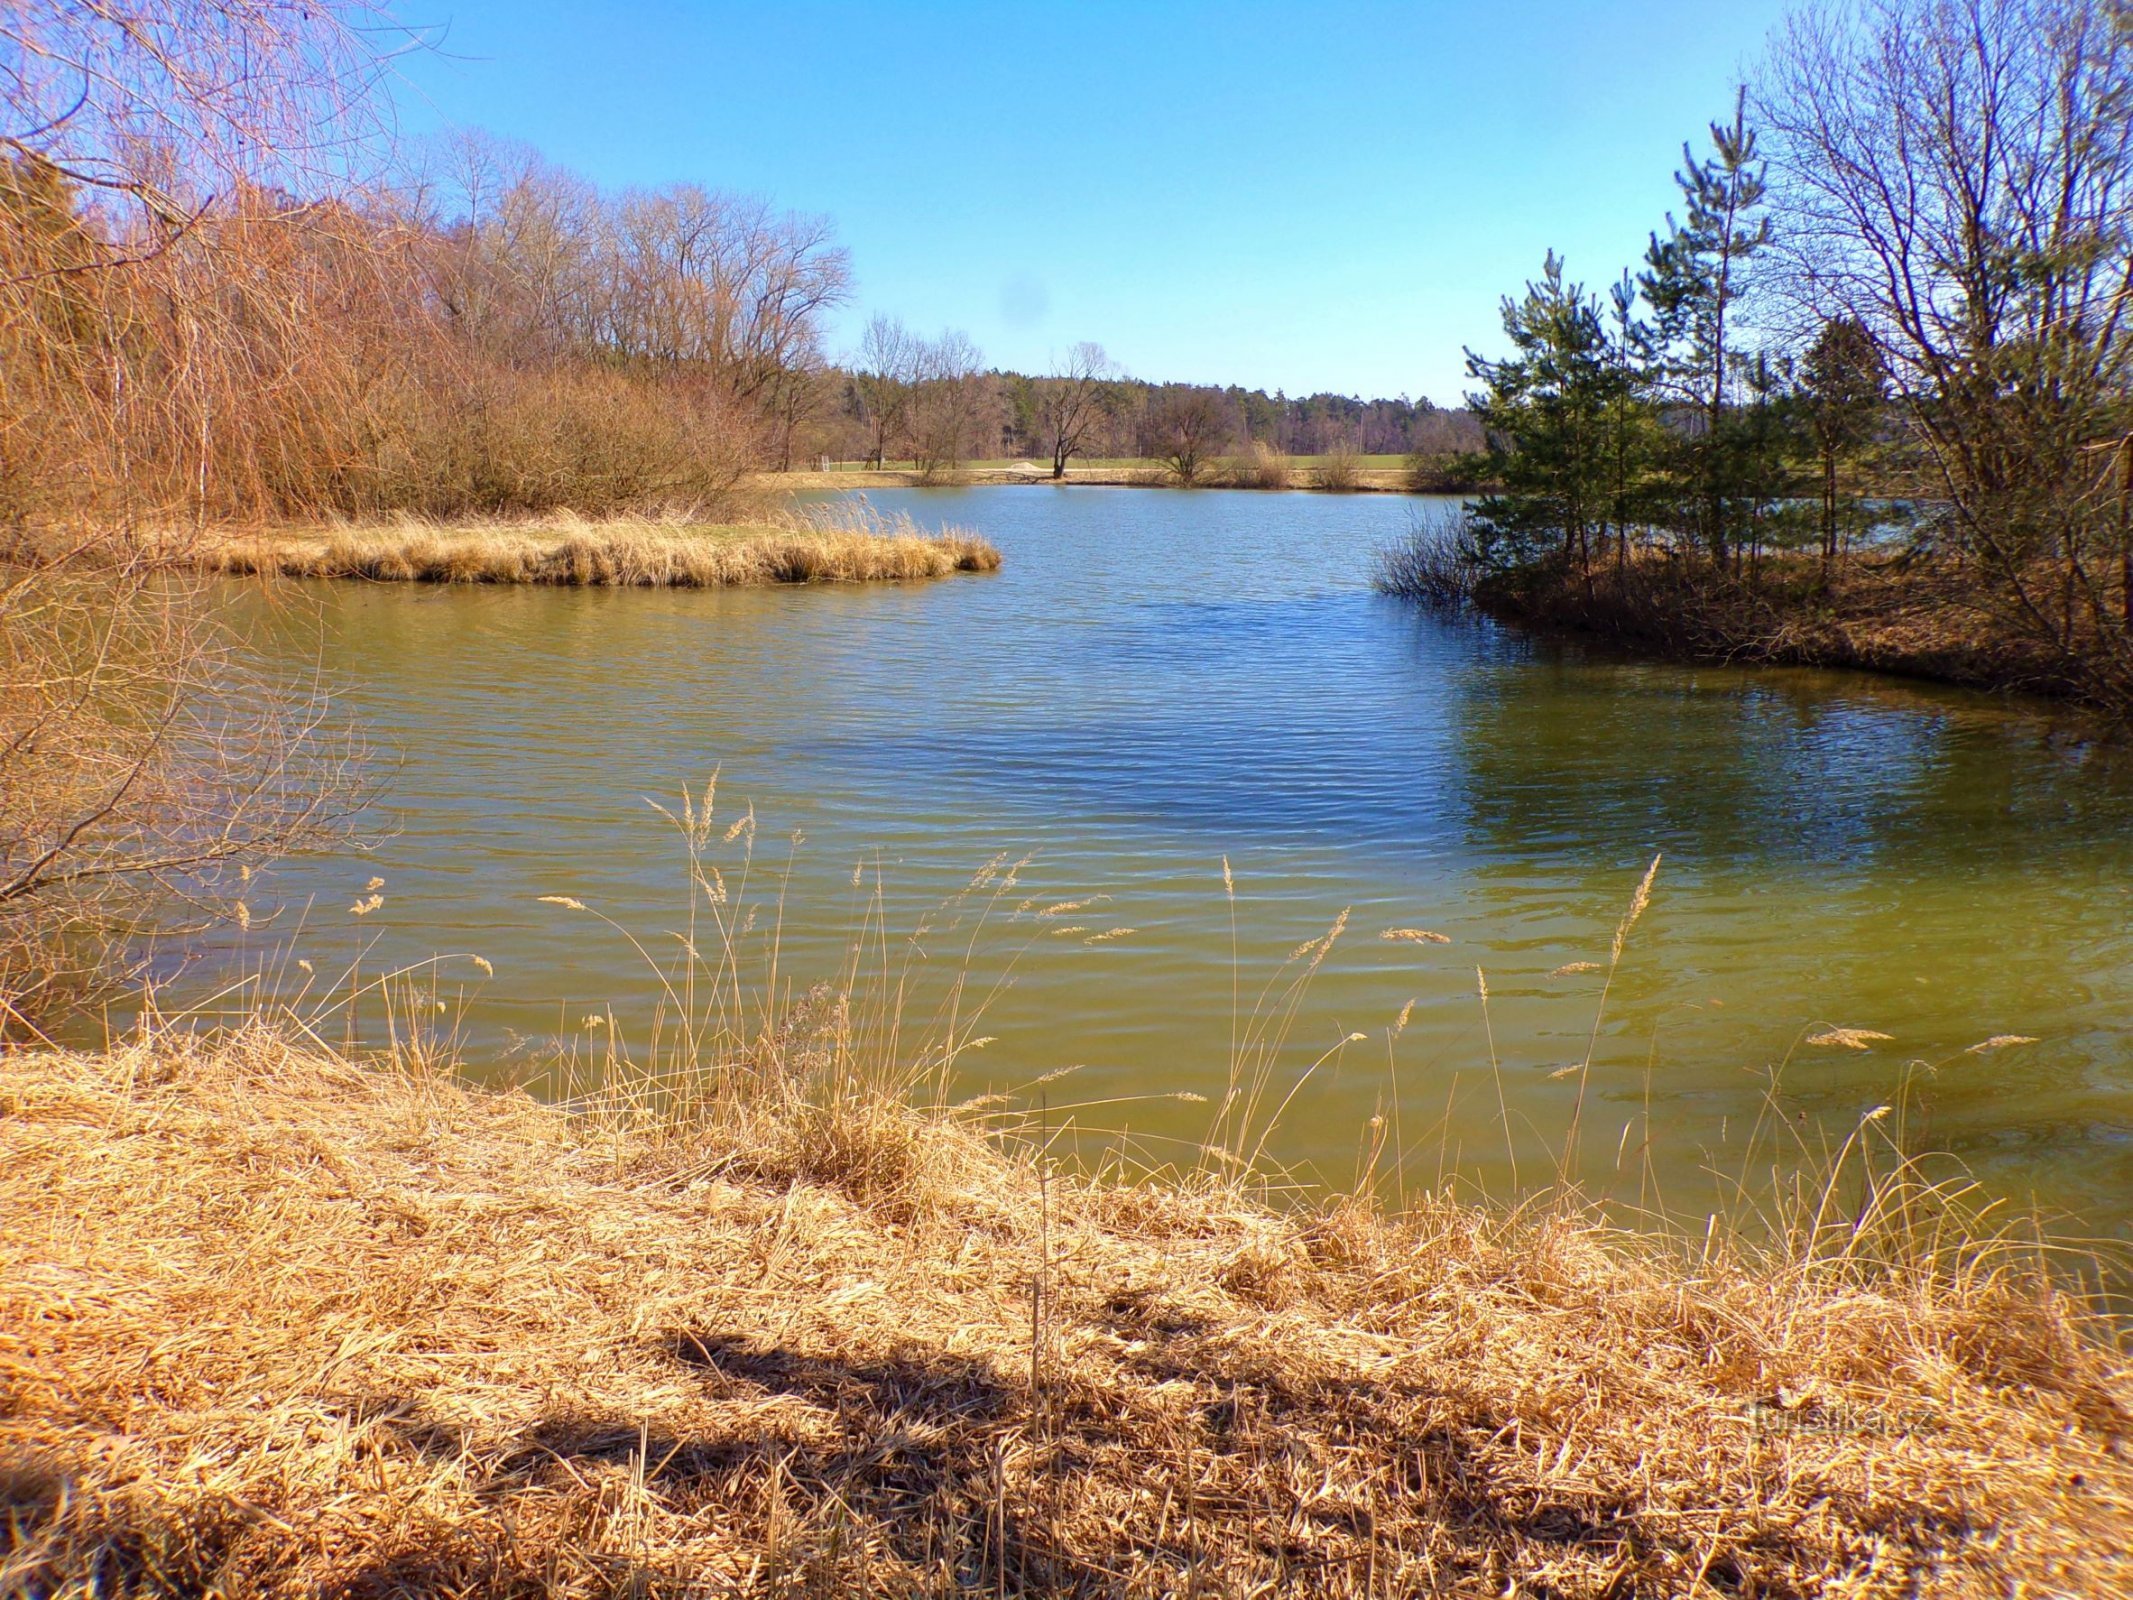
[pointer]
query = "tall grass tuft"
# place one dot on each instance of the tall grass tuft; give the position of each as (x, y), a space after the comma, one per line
(1340, 469)
(1263, 467)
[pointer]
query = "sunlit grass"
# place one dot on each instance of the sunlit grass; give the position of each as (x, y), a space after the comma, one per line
(846, 543)
(750, 1296)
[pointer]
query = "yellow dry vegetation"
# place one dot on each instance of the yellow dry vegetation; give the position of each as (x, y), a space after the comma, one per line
(838, 544)
(273, 1322)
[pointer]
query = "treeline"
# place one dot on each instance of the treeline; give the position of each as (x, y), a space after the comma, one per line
(932, 402)
(1878, 362)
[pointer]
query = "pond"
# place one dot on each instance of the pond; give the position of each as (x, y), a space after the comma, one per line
(1161, 687)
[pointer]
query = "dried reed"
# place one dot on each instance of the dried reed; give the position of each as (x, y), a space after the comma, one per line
(819, 545)
(276, 1323)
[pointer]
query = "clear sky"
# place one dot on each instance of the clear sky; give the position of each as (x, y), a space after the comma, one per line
(1292, 196)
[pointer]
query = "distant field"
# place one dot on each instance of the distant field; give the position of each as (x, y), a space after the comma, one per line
(1378, 463)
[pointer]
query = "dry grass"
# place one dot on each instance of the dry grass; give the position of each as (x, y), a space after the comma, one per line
(1262, 467)
(274, 1323)
(747, 1320)
(1339, 471)
(835, 544)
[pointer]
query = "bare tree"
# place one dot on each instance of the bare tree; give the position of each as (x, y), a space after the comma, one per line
(1956, 177)
(173, 197)
(797, 399)
(1186, 429)
(166, 105)
(887, 367)
(951, 402)
(1070, 403)
(718, 281)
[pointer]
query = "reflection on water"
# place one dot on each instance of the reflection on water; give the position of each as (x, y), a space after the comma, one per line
(1159, 681)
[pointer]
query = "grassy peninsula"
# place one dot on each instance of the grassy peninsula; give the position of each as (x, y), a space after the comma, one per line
(276, 1322)
(839, 545)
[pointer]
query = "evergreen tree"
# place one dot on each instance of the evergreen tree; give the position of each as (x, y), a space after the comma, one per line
(1844, 387)
(1634, 441)
(1693, 277)
(1546, 409)
(1765, 446)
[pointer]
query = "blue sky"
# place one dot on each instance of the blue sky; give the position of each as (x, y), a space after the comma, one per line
(1283, 196)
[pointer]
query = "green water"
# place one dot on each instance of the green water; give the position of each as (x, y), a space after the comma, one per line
(1158, 681)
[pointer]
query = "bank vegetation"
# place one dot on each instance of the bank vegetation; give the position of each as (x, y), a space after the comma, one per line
(277, 1322)
(1870, 397)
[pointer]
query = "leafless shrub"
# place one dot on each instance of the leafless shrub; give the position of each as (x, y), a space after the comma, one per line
(1339, 469)
(146, 766)
(1429, 473)
(1435, 563)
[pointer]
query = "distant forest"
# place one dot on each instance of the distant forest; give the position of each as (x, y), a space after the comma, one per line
(933, 402)
(1015, 416)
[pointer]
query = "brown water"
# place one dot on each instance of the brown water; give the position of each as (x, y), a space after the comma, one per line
(1158, 681)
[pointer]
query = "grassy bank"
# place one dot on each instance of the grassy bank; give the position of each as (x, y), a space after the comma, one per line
(832, 545)
(274, 1323)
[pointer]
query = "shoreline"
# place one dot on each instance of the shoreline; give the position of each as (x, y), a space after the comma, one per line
(1368, 480)
(1923, 627)
(276, 1321)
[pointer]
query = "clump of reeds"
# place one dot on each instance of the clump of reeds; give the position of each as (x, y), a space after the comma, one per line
(1263, 467)
(1339, 469)
(851, 543)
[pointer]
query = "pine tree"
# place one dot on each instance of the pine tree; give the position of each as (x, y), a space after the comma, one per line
(1766, 445)
(1844, 384)
(1692, 279)
(1633, 438)
(1546, 412)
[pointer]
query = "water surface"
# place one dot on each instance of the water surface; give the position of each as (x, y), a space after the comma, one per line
(1158, 682)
